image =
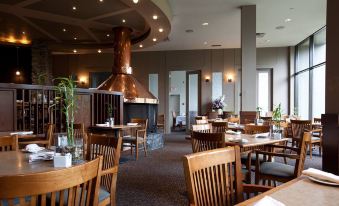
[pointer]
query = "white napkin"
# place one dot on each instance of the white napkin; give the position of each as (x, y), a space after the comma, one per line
(132, 124)
(34, 148)
(232, 132)
(321, 175)
(41, 156)
(268, 201)
(21, 133)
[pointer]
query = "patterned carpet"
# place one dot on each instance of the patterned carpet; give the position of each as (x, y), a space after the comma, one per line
(158, 179)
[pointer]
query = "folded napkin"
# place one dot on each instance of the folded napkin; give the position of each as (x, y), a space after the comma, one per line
(21, 133)
(34, 148)
(321, 175)
(132, 124)
(41, 156)
(268, 201)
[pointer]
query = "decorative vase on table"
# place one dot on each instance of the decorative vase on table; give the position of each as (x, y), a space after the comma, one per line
(220, 111)
(218, 105)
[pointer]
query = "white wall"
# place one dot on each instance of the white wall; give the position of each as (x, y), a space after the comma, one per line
(178, 87)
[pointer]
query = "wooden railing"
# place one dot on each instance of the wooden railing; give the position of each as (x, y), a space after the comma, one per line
(31, 107)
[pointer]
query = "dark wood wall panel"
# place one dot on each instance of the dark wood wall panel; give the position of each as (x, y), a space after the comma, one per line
(7, 110)
(84, 114)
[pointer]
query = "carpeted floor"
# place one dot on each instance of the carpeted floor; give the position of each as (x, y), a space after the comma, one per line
(158, 179)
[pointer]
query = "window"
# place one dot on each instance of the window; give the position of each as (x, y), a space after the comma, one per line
(309, 76)
(216, 85)
(153, 84)
(264, 90)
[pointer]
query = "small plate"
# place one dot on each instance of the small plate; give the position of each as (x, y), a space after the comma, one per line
(102, 125)
(323, 181)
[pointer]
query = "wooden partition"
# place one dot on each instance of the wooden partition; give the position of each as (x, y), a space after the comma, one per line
(31, 107)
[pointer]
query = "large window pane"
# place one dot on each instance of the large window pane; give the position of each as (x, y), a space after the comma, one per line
(302, 92)
(319, 54)
(318, 87)
(216, 85)
(303, 56)
(264, 88)
(153, 84)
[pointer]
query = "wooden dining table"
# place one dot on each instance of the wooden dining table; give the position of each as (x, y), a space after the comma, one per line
(251, 142)
(115, 129)
(16, 163)
(300, 191)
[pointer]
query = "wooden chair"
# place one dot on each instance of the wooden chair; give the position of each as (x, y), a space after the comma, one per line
(233, 120)
(140, 137)
(256, 129)
(207, 141)
(47, 141)
(8, 143)
(317, 120)
(212, 115)
(161, 122)
(203, 128)
(298, 129)
(214, 178)
(219, 126)
(110, 149)
(275, 171)
(267, 120)
(77, 185)
(247, 117)
(200, 117)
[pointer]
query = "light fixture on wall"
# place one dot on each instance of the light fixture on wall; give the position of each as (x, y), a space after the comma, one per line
(207, 79)
(229, 78)
(17, 73)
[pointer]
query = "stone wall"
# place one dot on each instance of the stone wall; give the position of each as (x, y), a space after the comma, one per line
(41, 64)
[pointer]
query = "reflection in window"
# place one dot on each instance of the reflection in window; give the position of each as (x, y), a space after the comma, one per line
(216, 85)
(318, 90)
(319, 54)
(303, 56)
(302, 92)
(153, 84)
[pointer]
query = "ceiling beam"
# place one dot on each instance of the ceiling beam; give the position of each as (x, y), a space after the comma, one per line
(110, 14)
(27, 3)
(39, 29)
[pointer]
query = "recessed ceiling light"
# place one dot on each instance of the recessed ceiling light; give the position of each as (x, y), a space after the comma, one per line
(135, 1)
(154, 39)
(107, 35)
(205, 24)
(280, 27)
(99, 50)
(23, 33)
(64, 30)
(17, 73)
(74, 8)
(123, 20)
(288, 20)
(205, 42)
(75, 51)
(155, 17)
(189, 30)
(75, 38)
(161, 29)
(140, 45)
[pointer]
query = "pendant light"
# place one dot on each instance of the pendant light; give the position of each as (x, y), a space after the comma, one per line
(17, 73)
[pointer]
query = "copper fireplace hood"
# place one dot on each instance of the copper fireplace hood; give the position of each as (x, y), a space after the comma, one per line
(121, 79)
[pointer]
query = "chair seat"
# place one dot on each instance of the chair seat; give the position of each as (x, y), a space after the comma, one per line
(277, 169)
(132, 139)
(103, 194)
(244, 158)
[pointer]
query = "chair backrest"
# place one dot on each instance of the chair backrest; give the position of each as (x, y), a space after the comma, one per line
(219, 126)
(207, 141)
(69, 185)
(302, 152)
(247, 117)
(161, 119)
(203, 128)
(200, 117)
(79, 132)
(8, 143)
(256, 129)
(299, 126)
(212, 115)
(233, 119)
(210, 179)
(317, 120)
(110, 148)
(201, 121)
(142, 122)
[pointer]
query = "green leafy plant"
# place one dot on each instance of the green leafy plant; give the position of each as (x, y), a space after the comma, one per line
(109, 110)
(66, 94)
(276, 116)
(259, 110)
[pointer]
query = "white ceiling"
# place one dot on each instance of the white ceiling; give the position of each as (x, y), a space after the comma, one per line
(223, 17)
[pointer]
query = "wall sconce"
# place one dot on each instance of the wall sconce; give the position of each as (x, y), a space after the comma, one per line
(207, 79)
(82, 80)
(17, 73)
(229, 78)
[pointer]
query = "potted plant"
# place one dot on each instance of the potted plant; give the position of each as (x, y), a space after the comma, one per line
(218, 104)
(110, 114)
(276, 118)
(67, 97)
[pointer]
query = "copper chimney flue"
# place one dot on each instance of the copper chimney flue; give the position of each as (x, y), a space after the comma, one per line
(121, 79)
